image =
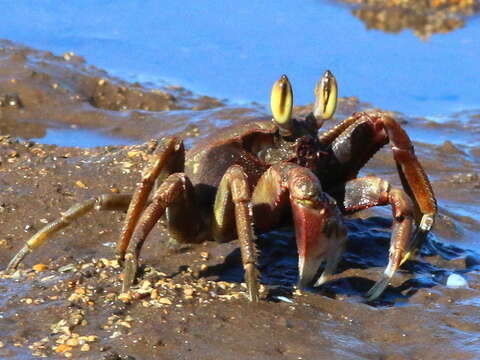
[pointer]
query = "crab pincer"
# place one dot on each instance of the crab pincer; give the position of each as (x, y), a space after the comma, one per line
(319, 230)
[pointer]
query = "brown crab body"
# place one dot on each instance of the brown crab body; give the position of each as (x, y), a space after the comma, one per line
(231, 147)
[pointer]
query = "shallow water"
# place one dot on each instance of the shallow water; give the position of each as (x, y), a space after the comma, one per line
(90, 138)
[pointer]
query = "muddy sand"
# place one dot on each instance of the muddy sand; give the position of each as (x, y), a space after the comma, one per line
(65, 301)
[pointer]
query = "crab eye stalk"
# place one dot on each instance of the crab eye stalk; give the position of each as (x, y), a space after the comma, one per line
(281, 102)
(326, 93)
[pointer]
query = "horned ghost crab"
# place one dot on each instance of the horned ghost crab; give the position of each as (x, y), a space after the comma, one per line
(246, 179)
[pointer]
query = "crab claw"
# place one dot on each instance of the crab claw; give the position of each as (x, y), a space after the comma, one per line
(320, 235)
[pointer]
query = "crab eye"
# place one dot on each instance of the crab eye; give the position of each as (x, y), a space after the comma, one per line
(326, 93)
(281, 102)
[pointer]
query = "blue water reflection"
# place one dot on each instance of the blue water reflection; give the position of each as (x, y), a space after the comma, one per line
(235, 51)
(80, 137)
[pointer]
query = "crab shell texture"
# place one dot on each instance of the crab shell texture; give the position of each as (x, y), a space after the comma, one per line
(254, 146)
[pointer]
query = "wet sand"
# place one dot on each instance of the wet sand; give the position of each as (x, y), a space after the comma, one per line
(65, 300)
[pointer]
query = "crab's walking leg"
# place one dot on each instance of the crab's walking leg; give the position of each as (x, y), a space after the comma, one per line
(319, 229)
(232, 209)
(167, 158)
(414, 180)
(103, 202)
(354, 141)
(372, 191)
(233, 214)
(176, 189)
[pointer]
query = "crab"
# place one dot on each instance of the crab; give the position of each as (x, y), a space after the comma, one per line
(250, 178)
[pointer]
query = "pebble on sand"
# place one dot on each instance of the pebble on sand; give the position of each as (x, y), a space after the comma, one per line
(455, 281)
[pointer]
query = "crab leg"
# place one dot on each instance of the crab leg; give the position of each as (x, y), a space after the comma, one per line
(102, 202)
(372, 191)
(364, 134)
(319, 229)
(175, 194)
(171, 191)
(167, 158)
(233, 214)
(412, 175)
